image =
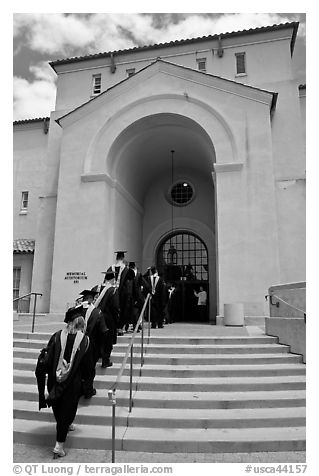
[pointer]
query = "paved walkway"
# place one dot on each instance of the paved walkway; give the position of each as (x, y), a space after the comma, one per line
(27, 454)
(52, 323)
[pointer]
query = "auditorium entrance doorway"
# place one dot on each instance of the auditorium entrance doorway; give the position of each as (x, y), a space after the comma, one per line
(182, 261)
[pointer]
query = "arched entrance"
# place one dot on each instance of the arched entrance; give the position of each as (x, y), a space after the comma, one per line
(143, 194)
(182, 260)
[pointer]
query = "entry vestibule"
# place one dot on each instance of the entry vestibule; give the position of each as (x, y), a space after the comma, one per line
(146, 147)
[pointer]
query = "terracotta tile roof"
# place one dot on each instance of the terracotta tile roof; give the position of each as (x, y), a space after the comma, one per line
(23, 245)
(263, 29)
(25, 121)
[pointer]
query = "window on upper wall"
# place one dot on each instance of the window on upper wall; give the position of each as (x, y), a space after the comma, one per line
(240, 63)
(96, 84)
(24, 201)
(130, 72)
(201, 64)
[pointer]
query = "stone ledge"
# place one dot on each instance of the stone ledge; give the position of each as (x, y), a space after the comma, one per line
(290, 331)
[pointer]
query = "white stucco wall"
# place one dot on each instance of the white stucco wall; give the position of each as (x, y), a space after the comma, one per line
(74, 86)
(83, 233)
(127, 229)
(29, 152)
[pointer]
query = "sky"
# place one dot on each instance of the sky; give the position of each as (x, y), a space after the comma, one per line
(42, 37)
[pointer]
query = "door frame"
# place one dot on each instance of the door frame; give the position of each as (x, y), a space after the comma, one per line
(184, 282)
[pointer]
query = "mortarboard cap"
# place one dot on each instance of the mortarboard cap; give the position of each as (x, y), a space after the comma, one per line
(109, 275)
(74, 312)
(120, 254)
(91, 292)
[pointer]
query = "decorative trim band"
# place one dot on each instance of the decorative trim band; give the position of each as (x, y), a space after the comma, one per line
(102, 177)
(97, 177)
(232, 167)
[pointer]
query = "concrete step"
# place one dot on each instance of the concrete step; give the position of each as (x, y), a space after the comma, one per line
(233, 440)
(90, 414)
(223, 384)
(179, 348)
(191, 400)
(189, 370)
(235, 394)
(181, 359)
(166, 440)
(171, 340)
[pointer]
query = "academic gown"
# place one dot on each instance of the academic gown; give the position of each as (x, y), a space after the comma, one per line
(157, 301)
(97, 332)
(125, 292)
(64, 396)
(109, 306)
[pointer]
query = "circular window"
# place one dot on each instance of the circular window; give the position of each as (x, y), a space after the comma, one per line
(181, 193)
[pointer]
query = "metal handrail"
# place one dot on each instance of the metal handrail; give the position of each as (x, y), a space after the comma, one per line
(282, 300)
(34, 306)
(129, 351)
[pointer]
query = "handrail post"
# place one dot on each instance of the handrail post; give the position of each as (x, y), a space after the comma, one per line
(131, 379)
(112, 397)
(129, 351)
(142, 344)
(149, 319)
(34, 306)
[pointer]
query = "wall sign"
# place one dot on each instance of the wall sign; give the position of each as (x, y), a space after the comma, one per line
(75, 276)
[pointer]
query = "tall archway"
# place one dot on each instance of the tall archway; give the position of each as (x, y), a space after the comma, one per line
(140, 200)
(182, 260)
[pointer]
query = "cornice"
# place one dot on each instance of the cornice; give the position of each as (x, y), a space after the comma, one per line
(231, 167)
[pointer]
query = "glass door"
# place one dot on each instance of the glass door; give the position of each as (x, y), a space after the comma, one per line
(182, 261)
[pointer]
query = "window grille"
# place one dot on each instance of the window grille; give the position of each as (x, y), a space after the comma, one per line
(182, 193)
(24, 200)
(201, 64)
(97, 84)
(190, 257)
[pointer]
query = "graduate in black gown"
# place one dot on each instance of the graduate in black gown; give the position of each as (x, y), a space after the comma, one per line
(124, 277)
(66, 362)
(97, 331)
(108, 303)
(156, 286)
(138, 297)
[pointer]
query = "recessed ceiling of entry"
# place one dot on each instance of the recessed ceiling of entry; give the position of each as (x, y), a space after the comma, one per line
(141, 153)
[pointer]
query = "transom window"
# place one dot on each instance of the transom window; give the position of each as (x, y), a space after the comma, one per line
(240, 63)
(183, 256)
(181, 193)
(97, 84)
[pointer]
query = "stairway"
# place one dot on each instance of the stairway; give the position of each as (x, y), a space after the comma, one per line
(201, 394)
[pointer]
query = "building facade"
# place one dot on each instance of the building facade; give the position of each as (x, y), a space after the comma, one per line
(225, 209)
